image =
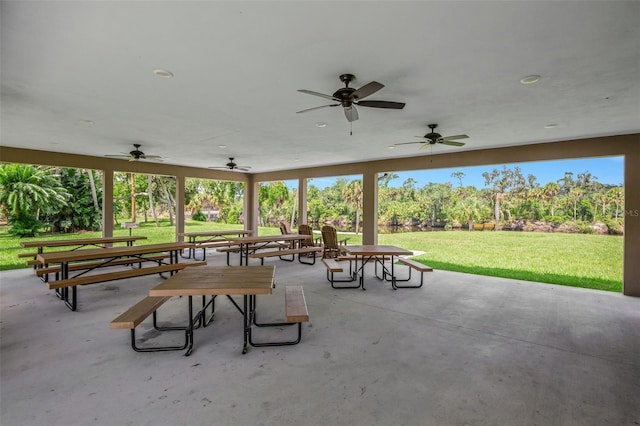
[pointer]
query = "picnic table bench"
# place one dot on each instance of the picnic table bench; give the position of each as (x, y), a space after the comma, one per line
(286, 252)
(65, 261)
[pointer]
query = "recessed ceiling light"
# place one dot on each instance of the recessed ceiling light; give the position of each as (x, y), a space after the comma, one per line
(222, 146)
(87, 122)
(550, 126)
(321, 124)
(391, 147)
(163, 73)
(530, 79)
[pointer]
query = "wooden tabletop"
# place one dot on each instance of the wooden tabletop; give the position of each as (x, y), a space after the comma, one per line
(216, 233)
(101, 253)
(80, 241)
(218, 280)
(376, 250)
(269, 238)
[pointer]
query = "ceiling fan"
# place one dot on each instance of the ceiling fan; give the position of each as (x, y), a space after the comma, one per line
(349, 97)
(136, 154)
(433, 138)
(231, 165)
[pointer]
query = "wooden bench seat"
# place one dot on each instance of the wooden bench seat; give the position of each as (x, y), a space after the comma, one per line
(296, 312)
(285, 252)
(335, 265)
(234, 248)
(295, 305)
(24, 255)
(62, 287)
(118, 275)
(413, 264)
(136, 314)
(45, 271)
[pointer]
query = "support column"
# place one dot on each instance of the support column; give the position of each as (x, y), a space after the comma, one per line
(251, 205)
(302, 201)
(370, 208)
(107, 203)
(180, 208)
(631, 272)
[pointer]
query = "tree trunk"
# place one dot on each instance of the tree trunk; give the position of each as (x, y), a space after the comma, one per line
(150, 194)
(133, 197)
(94, 193)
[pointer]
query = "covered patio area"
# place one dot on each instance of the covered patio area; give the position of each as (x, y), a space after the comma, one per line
(464, 349)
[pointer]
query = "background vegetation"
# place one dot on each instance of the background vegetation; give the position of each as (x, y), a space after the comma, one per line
(46, 202)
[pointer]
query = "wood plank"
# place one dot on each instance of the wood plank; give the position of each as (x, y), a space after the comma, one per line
(96, 264)
(31, 255)
(112, 276)
(295, 304)
(274, 253)
(137, 313)
(415, 265)
(81, 241)
(332, 265)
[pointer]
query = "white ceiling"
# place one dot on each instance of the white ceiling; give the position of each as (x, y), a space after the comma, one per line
(77, 77)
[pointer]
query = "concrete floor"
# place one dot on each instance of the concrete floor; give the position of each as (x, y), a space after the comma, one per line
(463, 350)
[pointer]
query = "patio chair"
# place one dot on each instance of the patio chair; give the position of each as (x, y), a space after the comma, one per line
(284, 228)
(305, 229)
(330, 240)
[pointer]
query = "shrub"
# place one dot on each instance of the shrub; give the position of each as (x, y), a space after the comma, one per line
(199, 216)
(25, 227)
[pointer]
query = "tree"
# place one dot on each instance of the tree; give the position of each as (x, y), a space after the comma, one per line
(352, 194)
(550, 191)
(26, 192)
(616, 195)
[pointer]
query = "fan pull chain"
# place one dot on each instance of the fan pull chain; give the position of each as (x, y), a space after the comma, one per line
(351, 128)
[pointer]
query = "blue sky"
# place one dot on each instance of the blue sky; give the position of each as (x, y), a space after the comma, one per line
(608, 170)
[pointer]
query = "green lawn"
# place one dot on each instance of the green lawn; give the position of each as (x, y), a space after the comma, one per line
(579, 260)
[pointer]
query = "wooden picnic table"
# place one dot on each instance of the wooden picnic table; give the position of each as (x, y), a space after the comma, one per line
(246, 281)
(104, 257)
(377, 254)
(81, 242)
(204, 239)
(252, 244)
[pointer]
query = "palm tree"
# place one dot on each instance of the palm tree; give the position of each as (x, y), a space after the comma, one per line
(25, 192)
(550, 191)
(352, 194)
(617, 196)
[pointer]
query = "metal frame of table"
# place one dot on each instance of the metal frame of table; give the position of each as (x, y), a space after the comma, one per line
(245, 281)
(377, 254)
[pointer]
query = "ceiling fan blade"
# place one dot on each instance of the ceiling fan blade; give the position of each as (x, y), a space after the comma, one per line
(322, 95)
(311, 109)
(426, 145)
(243, 168)
(452, 143)
(367, 89)
(382, 104)
(408, 143)
(118, 156)
(351, 113)
(450, 138)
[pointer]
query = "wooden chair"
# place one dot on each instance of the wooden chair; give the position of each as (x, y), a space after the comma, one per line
(285, 228)
(305, 229)
(330, 240)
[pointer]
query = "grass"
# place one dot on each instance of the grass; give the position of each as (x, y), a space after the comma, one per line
(578, 260)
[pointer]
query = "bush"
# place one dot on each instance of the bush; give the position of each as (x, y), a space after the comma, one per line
(614, 227)
(25, 227)
(199, 216)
